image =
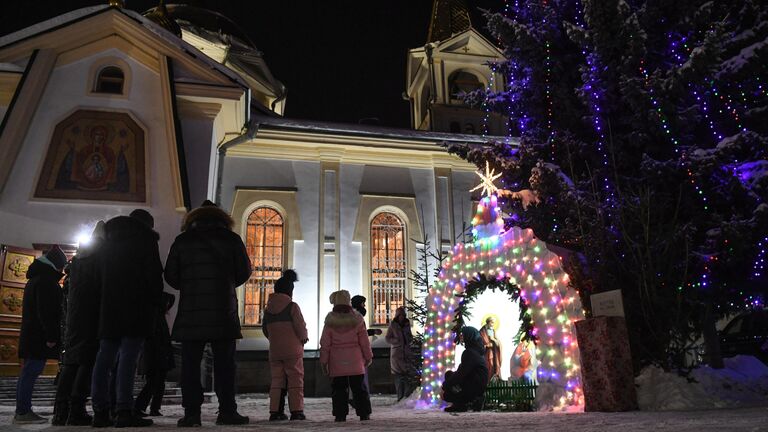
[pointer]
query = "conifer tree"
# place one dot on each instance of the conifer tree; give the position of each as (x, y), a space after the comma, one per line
(643, 146)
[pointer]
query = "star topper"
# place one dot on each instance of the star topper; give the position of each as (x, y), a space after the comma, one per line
(487, 181)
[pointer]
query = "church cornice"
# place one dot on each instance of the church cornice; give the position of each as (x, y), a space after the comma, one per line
(307, 146)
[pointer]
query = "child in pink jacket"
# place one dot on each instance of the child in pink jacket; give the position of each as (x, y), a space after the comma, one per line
(345, 352)
(286, 330)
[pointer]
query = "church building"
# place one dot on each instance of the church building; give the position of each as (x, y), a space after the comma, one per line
(105, 110)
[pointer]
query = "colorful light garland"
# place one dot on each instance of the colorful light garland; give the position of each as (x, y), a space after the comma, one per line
(519, 257)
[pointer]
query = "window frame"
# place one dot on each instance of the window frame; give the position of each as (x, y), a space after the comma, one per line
(404, 246)
(283, 248)
(95, 72)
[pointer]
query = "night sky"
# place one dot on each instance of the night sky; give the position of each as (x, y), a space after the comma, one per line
(341, 60)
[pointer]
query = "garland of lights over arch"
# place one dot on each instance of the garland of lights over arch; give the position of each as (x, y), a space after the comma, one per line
(514, 257)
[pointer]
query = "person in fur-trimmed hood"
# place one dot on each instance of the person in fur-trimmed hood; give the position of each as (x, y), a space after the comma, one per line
(206, 263)
(345, 352)
(286, 330)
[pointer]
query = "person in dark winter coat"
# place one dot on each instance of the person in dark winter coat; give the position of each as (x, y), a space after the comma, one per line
(156, 361)
(284, 326)
(207, 261)
(81, 342)
(131, 286)
(40, 328)
(401, 364)
(345, 352)
(358, 304)
(468, 383)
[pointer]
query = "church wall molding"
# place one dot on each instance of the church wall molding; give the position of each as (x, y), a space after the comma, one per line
(21, 111)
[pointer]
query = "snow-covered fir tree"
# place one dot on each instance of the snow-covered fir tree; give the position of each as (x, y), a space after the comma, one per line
(644, 147)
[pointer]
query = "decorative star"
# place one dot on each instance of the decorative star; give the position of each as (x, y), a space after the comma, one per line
(487, 181)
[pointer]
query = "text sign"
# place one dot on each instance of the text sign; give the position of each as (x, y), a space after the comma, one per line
(607, 303)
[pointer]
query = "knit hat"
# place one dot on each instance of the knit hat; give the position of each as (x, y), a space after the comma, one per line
(284, 285)
(56, 257)
(341, 297)
(144, 217)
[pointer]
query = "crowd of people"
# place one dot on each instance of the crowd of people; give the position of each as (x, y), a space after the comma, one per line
(116, 325)
(116, 320)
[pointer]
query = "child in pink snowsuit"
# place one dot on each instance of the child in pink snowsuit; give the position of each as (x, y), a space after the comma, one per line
(345, 352)
(286, 330)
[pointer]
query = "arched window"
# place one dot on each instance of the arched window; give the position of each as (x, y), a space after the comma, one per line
(463, 82)
(264, 242)
(389, 270)
(110, 80)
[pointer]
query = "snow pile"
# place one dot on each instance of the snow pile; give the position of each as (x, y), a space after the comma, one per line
(742, 383)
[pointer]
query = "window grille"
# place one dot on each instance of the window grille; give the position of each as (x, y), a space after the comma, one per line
(110, 80)
(389, 270)
(264, 242)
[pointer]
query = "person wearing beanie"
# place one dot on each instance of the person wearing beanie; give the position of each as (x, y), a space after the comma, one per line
(345, 352)
(284, 327)
(131, 283)
(80, 340)
(206, 264)
(40, 328)
(467, 384)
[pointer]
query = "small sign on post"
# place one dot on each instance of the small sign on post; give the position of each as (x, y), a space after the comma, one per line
(607, 303)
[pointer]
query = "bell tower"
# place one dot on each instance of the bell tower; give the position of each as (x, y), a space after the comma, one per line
(452, 62)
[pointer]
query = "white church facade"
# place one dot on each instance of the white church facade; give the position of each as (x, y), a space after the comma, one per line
(105, 110)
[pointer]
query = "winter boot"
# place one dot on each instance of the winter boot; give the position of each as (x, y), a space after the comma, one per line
(233, 418)
(102, 419)
(78, 416)
(298, 415)
(478, 403)
(60, 413)
(340, 419)
(126, 418)
(190, 420)
(277, 416)
(456, 408)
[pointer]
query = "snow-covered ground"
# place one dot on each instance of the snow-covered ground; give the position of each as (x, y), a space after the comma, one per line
(730, 399)
(387, 417)
(742, 383)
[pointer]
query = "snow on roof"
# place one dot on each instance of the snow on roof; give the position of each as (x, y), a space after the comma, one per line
(10, 67)
(373, 131)
(50, 24)
(79, 14)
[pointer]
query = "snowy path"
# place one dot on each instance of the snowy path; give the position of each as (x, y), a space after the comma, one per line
(388, 418)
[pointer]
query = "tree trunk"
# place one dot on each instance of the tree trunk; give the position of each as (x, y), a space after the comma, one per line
(711, 339)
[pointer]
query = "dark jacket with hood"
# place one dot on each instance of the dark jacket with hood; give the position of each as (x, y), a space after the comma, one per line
(206, 263)
(471, 378)
(132, 279)
(41, 313)
(81, 340)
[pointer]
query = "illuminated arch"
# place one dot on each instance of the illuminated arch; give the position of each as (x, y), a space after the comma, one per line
(516, 255)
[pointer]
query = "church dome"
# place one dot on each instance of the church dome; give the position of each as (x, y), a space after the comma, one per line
(204, 23)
